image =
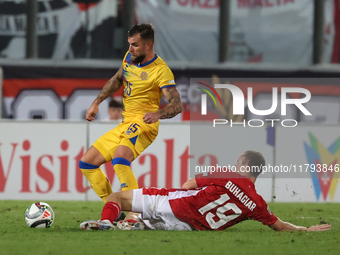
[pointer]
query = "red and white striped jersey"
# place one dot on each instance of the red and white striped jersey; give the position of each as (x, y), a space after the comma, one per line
(219, 203)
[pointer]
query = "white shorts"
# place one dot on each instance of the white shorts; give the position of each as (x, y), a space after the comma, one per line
(156, 212)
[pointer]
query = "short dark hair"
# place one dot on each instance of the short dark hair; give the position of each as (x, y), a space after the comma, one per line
(145, 30)
(115, 104)
(254, 158)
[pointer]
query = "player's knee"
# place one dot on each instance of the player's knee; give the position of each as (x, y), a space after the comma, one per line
(123, 199)
(113, 197)
(121, 161)
(129, 157)
(124, 152)
(83, 158)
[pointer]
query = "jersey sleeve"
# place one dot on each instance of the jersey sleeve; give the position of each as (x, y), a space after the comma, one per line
(265, 216)
(165, 78)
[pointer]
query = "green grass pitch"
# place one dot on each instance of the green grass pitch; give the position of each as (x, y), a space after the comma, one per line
(249, 237)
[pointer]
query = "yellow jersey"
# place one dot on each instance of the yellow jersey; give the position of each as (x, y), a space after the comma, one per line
(143, 85)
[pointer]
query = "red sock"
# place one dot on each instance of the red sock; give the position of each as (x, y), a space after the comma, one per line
(110, 211)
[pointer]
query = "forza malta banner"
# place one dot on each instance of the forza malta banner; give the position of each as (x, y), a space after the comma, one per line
(276, 31)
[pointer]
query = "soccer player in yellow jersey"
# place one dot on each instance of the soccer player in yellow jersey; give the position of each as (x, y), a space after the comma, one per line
(145, 77)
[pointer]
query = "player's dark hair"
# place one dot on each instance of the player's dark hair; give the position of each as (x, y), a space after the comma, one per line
(115, 104)
(256, 160)
(145, 30)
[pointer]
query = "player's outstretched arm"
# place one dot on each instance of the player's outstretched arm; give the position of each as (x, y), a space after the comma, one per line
(171, 110)
(280, 225)
(112, 86)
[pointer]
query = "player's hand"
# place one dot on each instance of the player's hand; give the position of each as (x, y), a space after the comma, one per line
(91, 112)
(322, 227)
(151, 117)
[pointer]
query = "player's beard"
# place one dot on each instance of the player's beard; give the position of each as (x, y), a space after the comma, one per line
(137, 60)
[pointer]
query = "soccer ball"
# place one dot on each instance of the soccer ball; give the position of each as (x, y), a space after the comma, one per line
(39, 215)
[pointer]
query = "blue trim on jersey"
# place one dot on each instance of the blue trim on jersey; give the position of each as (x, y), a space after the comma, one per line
(121, 161)
(84, 165)
(168, 86)
(149, 62)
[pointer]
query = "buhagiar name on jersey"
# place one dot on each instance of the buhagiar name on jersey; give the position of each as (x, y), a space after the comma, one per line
(244, 199)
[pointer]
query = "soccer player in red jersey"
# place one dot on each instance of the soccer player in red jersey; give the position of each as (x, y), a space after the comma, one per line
(204, 203)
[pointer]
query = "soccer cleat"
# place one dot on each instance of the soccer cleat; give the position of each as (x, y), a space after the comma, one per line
(97, 225)
(130, 225)
(120, 217)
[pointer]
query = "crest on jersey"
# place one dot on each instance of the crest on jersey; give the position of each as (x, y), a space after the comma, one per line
(144, 76)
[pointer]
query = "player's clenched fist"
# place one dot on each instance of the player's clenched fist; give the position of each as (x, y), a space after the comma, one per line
(91, 112)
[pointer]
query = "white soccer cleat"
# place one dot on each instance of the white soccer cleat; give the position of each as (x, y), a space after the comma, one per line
(97, 225)
(130, 225)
